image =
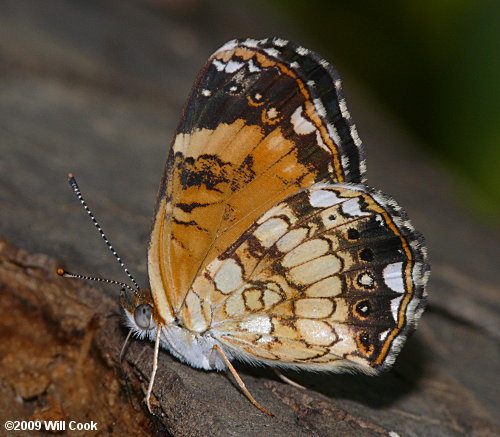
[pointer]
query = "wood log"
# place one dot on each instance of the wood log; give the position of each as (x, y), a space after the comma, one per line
(96, 89)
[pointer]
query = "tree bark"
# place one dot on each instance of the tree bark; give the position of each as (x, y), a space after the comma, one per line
(96, 88)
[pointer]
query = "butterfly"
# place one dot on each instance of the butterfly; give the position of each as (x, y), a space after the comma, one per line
(267, 245)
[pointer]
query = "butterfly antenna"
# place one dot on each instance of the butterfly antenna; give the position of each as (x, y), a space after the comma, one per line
(66, 274)
(76, 189)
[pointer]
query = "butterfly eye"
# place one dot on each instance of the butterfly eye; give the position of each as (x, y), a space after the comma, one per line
(143, 316)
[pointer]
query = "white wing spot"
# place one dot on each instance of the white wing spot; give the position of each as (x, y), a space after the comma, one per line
(218, 65)
(362, 164)
(228, 46)
(265, 339)
(345, 162)
(233, 66)
(257, 325)
(321, 144)
(301, 125)
(384, 334)
(318, 104)
(395, 303)
(352, 207)
(272, 113)
(355, 136)
(324, 198)
(206, 93)
(343, 109)
(393, 277)
(332, 130)
(366, 279)
(280, 42)
(251, 42)
(252, 68)
(272, 52)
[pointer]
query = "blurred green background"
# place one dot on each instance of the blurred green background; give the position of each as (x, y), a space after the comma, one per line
(435, 64)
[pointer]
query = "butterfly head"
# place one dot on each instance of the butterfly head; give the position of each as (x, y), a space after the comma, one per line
(139, 310)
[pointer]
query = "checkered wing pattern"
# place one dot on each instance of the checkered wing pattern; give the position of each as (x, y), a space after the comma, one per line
(331, 278)
(264, 120)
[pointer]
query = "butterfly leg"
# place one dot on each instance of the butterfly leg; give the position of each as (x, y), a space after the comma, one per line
(125, 343)
(155, 367)
(288, 380)
(240, 381)
(124, 374)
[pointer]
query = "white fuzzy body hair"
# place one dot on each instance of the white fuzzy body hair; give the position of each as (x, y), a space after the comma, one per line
(189, 347)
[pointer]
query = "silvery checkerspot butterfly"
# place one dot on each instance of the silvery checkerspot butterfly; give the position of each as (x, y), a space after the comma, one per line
(267, 245)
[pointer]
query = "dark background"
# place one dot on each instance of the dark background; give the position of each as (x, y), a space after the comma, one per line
(435, 65)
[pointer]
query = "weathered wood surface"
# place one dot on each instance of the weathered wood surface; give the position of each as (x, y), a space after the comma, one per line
(96, 88)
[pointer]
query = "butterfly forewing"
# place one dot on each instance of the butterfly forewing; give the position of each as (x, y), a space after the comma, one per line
(264, 119)
(331, 277)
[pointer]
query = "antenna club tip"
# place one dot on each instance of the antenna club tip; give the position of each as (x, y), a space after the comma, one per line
(61, 272)
(71, 175)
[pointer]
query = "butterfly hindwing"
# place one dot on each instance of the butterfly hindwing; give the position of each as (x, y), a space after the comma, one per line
(264, 119)
(331, 277)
